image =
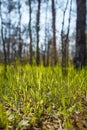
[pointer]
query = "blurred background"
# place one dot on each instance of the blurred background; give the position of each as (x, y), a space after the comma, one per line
(43, 31)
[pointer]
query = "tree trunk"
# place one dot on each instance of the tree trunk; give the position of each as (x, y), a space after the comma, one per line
(30, 33)
(54, 53)
(64, 41)
(46, 32)
(48, 49)
(8, 46)
(19, 26)
(80, 56)
(4, 49)
(37, 33)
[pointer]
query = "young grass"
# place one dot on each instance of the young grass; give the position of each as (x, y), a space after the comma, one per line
(40, 97)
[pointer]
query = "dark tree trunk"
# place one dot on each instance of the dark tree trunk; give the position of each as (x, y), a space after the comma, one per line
(46, 32)
(54, 53)
(37, 33)
(30, 33)
(80, 56)
(48, 49)
(8, 46)
(64, 41)
(19, 27)
(4, 49)
(67, 36)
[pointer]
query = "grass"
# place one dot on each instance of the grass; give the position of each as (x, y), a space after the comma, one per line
(40, 97)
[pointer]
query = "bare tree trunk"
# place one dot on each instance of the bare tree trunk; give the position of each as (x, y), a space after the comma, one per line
(45, 40)
(37, 33)
(30, 33)
(19, 26)
(4, 49)
(48, 49)
(54, 53)
(67, 35)
(64, 40)
(80, 56)
(8, 44)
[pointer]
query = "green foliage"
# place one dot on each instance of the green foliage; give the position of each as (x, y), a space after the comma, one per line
(31, 95)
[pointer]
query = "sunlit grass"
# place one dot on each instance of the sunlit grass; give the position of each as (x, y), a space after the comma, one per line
(30, 94)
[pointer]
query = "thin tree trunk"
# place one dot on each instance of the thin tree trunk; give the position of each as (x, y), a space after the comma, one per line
(45, 40)
(8, 46)
(19, 26)
(67, 36)
(48, 49)
(63, 40)
(54, 53)
(4, 49)
(30, 33)
(37, 33)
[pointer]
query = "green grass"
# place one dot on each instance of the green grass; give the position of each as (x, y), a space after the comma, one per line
(40, 97)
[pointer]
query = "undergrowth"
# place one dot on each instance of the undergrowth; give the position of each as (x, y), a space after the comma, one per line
(40, 97)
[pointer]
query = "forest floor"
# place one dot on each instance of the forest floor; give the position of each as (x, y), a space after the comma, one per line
(39, 98)
(79, 121)
(51, 122)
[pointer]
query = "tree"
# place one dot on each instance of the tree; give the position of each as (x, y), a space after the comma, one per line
(65, 39)
(30, 33)
(64, 42)
(10, 7)
(19, 26)
(37, 33)
(46, 34)
(54, 53)
(2, 37)
(80, 55)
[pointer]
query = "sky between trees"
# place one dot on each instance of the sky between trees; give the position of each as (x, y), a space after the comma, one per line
(60, 6)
